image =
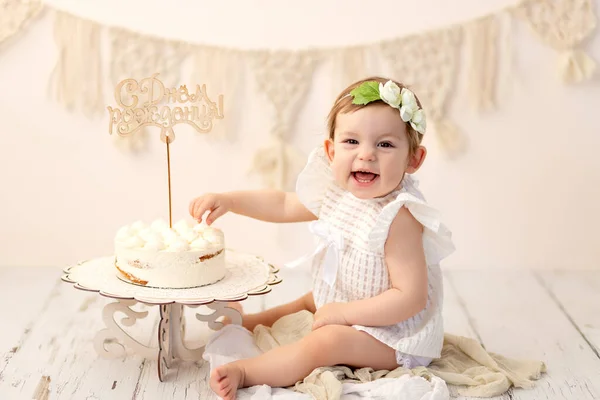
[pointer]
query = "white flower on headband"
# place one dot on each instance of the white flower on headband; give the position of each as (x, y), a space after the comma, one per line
(409, 105)
(390, 93)
(410, 111)
(417, 121)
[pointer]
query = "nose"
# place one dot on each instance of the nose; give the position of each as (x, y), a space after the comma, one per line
(366, 153)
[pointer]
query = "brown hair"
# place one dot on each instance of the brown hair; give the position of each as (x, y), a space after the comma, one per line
(343, 104)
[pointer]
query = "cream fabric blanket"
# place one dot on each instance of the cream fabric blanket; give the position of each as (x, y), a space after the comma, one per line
(467, 368)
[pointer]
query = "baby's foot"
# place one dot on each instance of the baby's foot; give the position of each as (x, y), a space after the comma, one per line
(236, 305)
(226, 379)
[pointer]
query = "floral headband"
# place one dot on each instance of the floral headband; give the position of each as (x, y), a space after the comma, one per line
(390, 93)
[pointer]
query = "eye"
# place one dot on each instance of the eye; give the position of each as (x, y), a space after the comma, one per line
(350, 141)
(386, 144)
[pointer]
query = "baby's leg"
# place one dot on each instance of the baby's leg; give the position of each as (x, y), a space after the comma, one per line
(283, 366)
(268, 317)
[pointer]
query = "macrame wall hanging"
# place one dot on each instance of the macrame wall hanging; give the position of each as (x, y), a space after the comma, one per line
(15, 16)
(564, 25)
(284, 78)
(430, 62)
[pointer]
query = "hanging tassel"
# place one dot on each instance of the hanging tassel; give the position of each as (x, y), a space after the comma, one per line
(507, 77)
(483, 40)
(452, 141)
(284, 77)
(76, 81)
(348, 66)
(277, 164)
(576, 66)
(270, 162)
(563, 25)
(220, 70)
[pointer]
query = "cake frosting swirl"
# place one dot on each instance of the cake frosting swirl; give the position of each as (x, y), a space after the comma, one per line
(156, 255)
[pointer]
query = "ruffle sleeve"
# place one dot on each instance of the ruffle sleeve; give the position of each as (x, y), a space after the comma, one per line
(437, 238)
(314, 180)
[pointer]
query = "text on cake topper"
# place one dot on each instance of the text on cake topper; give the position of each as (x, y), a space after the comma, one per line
(143, 104)
(140, 105)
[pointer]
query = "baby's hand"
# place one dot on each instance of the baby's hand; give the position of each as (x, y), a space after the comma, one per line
(330, 314)
(217, 204)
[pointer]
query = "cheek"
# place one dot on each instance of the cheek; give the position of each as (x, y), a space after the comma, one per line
(341, 165)
(393, 167)
(341, 156)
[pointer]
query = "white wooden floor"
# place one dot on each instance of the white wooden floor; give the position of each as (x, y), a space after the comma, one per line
(47, 329)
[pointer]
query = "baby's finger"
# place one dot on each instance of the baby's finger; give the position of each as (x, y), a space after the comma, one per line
(216, 213)
(192, 205)
(199, 209)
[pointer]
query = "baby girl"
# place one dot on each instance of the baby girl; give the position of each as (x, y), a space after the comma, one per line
(377, 286)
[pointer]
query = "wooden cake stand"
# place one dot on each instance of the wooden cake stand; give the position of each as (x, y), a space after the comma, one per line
(247, 275)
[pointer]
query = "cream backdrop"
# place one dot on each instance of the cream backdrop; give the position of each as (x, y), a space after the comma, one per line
(525, 194)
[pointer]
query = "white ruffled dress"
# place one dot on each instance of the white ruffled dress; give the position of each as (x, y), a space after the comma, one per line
(350, 262)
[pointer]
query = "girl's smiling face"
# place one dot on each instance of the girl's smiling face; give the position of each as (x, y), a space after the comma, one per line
(370, 152)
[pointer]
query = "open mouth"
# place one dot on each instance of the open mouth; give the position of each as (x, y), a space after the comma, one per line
(364, 177)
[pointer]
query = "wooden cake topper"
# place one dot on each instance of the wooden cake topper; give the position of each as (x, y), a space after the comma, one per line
(147, 103)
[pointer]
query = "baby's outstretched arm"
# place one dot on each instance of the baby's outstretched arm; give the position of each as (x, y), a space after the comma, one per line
(264, 205)
(405, 259)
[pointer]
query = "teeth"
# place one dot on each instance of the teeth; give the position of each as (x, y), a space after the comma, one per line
(364, 180)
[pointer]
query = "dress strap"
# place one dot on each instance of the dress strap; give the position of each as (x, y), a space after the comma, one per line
(437, 239)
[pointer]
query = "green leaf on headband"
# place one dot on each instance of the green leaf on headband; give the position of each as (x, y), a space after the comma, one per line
(366, 93)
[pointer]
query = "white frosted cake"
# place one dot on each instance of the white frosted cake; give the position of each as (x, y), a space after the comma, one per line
(187, 255)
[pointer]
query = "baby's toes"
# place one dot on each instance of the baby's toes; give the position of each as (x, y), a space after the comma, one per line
(229, 394)
(225, 385)
(218, 382)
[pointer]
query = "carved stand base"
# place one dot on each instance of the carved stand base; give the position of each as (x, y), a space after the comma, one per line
(112, 341)
(247, 275)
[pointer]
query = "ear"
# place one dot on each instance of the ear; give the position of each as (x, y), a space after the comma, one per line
(416, 160)
(329, 149)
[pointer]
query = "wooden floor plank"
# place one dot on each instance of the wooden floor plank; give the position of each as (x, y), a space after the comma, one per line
(26, 287)
(187, 380)
(511, 312)
(516, 317)
(456, 318)
(457, 321)
(58, 353)
(577, 293)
